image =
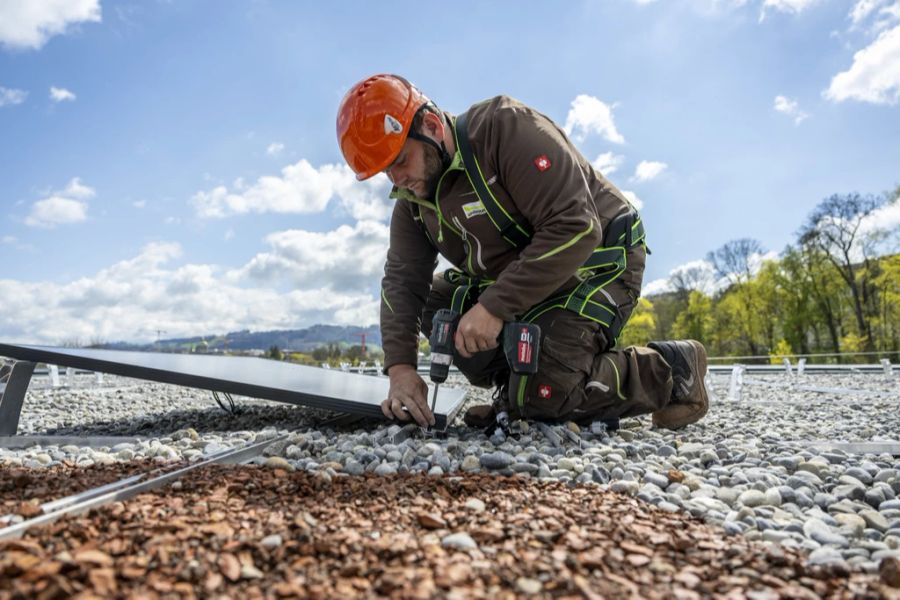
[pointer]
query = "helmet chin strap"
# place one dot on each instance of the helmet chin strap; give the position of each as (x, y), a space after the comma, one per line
(446, 159)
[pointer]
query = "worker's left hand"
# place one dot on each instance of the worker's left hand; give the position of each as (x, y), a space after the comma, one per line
(477, 331)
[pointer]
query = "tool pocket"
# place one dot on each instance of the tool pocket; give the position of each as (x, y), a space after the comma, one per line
(567, 353)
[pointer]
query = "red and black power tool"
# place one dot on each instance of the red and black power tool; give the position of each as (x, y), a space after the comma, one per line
(521, 344)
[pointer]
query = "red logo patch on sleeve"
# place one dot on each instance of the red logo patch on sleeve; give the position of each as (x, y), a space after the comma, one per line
(544, 391)
(542, 162)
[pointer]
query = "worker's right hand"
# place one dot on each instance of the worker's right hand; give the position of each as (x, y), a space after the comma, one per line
(408, 396)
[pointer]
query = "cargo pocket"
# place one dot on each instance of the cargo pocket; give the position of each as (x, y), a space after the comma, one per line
(567, 353)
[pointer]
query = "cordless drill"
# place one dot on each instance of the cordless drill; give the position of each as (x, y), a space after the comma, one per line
(520, 345)
(443, 330)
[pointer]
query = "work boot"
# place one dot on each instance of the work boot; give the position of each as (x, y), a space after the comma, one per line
(689, 402)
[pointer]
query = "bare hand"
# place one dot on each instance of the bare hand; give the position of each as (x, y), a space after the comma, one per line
(408, 391)
(477, 331)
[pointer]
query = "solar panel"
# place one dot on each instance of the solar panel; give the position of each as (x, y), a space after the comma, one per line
(247, 376)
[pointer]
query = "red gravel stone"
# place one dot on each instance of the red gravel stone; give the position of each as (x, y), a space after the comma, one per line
(381, 536)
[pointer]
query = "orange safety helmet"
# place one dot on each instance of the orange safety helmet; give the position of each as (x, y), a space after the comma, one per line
(374, 120)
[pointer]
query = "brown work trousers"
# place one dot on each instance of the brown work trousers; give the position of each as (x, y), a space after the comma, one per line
(580, 377)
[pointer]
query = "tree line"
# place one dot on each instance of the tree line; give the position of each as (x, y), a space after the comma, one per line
(333, 354)
(836, 289)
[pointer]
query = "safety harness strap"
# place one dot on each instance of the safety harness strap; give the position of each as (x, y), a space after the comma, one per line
(467, 289)
(512, 232)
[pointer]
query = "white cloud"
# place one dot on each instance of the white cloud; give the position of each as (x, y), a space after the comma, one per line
(790, 108)
(649, 169)
(591, 115)
(695, 274)
(885, 219)
(756, 261)
(139, 203)
(62, 207)
(881, 13)
(8, 239)
(636, 202)
(229, 234)
(787, 6)
(862, 9)
(347, 258)
(61, 94)
(75, 189)
(274, 148)
(301, 188)
(28, 24)
(56, 210)
(891, 12)
(132, 298)
(875, 74)
(877, 234)
(608, 163)
(657, 286)
(11, 96)
(700, 275)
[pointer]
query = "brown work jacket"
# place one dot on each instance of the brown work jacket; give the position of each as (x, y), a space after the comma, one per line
(540, 179)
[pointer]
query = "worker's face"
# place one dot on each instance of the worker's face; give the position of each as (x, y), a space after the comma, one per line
(417, 168)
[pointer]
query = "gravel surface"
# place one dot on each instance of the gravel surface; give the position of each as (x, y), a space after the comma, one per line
(268, 532)
(749, 467)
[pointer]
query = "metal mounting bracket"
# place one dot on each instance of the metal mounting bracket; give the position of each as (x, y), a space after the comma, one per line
(12, 395)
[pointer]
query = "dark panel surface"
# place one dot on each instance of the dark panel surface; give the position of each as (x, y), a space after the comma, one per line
(248, 376)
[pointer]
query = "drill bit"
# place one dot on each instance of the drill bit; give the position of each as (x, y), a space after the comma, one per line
(427, 430)
(434, 397)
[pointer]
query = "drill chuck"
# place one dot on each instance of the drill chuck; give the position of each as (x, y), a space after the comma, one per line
(443, 330)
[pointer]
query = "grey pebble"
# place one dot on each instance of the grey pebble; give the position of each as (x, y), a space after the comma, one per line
(661, 481)
(496, 460)
(386, 469)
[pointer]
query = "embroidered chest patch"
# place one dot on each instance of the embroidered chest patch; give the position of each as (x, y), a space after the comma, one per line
(542, 162)
(473, 209)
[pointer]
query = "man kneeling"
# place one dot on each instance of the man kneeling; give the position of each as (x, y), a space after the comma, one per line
(536, 234)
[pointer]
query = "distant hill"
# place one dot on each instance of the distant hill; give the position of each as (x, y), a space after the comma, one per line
(291, 339)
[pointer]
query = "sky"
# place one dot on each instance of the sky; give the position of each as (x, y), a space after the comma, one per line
(170, 168)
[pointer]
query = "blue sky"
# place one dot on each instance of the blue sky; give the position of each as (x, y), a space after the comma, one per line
(173, 165)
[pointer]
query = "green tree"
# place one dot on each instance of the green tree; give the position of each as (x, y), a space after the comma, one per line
(798, 316)
(641, 326)
(734, 261)
(666, 308)
(887, 286)
(777, 355)
(835, 227)
(727, 326)
(696, 321)
(828, 293)
(302, 358)
(355, 354)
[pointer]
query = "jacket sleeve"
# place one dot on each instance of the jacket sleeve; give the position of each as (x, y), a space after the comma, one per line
(544, 176)
(411, 260)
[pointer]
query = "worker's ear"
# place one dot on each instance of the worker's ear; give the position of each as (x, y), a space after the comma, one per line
(433, 126)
